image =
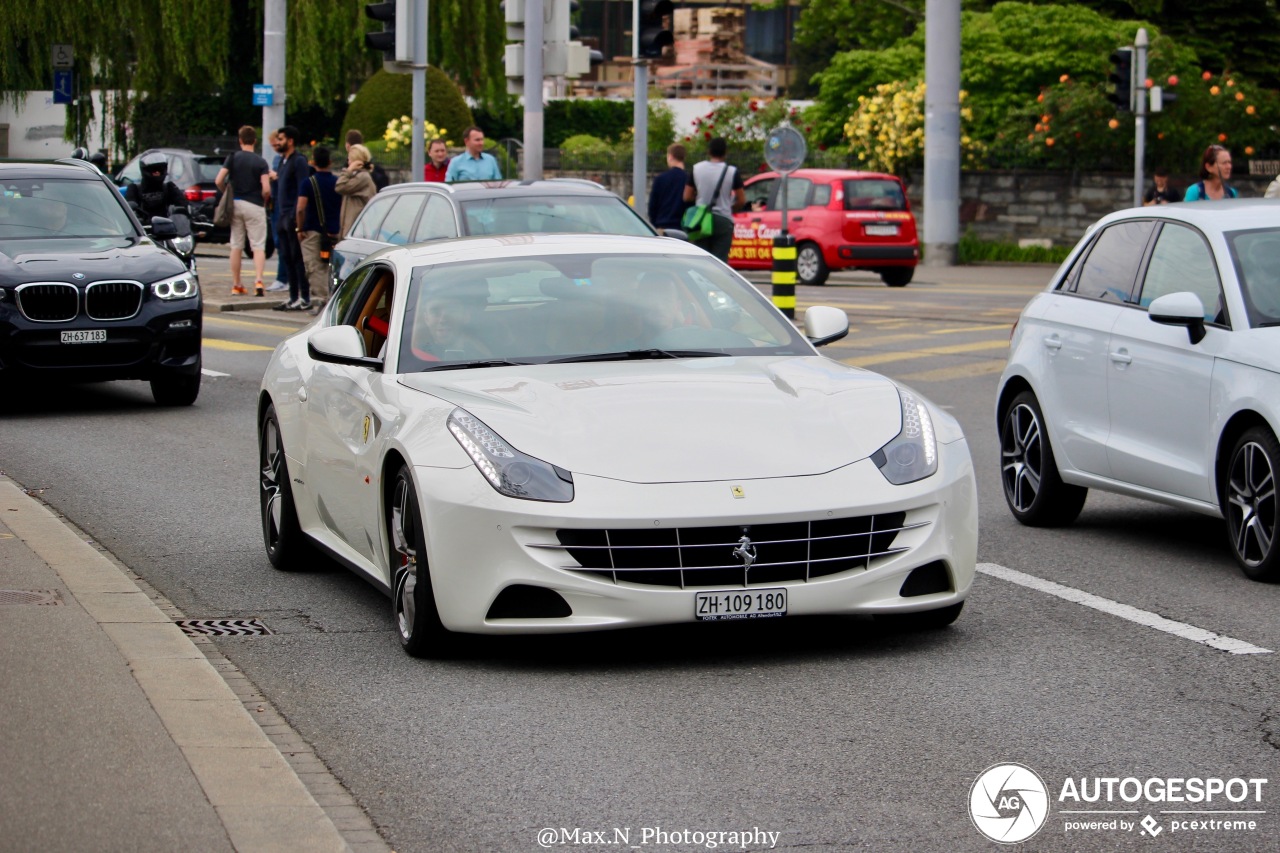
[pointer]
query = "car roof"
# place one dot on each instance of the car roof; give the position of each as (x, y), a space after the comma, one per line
(828, 174)
(524, 245)
(50, 169)
(493, 189)
(1226, 215)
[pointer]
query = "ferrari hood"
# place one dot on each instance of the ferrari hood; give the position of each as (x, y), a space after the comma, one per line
(681, 420)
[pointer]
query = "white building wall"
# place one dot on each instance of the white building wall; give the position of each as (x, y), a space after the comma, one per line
(36, 128)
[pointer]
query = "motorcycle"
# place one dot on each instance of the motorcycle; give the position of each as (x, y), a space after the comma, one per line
(174, 233)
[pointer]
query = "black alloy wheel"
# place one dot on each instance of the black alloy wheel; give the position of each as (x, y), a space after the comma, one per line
(413, 603)
(1250, 504)
(287, 547)
(1035, 492)
(811, 267)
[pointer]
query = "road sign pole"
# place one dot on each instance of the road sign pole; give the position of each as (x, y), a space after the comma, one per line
(784, 152)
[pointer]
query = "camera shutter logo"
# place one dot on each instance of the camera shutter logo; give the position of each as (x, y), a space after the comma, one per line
(1008, 803)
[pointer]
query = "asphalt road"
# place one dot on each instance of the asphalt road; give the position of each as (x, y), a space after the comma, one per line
(835, 733)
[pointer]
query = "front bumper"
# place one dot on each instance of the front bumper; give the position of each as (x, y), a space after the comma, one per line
(480, 543)
(163, 339)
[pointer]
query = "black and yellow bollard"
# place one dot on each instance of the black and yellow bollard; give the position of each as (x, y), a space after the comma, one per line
(784, 274)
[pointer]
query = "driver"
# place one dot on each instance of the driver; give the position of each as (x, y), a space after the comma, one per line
(446, 330)
(155, 195)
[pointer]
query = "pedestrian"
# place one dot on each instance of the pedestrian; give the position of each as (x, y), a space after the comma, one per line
(379, 174)
(356, 187)
(718, 186)
(1215, 168)
(282, 274)
(293, 175)
(473, 164)
(437, 166)
(666, 199)
(244, 175)
(1161, 192)
(319, 218)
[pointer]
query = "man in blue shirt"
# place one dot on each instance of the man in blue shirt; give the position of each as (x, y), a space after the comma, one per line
(666, 199)
(473, 164)
(319, 220)
(293, 177)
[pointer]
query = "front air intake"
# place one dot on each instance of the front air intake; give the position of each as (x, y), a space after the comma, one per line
(522, 601)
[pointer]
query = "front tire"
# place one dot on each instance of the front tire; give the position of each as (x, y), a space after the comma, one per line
(897, 276)
(413, 602)
(1035, 492)
(176, 389)
(811, 267)
(1250, 504)
(287, 546)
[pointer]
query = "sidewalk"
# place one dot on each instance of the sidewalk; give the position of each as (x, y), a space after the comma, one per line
(119, 732)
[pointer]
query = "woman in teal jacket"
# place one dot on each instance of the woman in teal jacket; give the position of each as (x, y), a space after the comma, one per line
(1215, 168)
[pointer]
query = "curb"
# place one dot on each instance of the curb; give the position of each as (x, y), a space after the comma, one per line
(256, 793)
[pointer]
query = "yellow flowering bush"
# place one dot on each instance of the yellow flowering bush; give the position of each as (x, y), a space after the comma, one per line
(399, 133)
(886, 131)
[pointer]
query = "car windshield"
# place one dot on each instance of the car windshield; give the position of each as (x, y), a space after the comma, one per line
(586, 307)
(873, 194)
(603, 214)
(1256, 254)
(42, 208)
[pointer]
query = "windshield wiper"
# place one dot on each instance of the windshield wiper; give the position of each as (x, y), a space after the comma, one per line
(637, 354)
(1267, 324)
(480, 362)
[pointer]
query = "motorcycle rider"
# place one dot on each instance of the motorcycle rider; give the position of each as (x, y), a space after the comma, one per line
(155, 195)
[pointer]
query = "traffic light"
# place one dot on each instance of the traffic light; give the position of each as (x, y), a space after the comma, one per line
(395, 42)
(1161, 97)
(1122, 78)
(654, 34)
(513, 55)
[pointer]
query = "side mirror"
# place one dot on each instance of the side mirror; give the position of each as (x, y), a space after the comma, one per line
(162, 228)
(824, 325)
(340, 345)
(675, 234)
(1179, 309)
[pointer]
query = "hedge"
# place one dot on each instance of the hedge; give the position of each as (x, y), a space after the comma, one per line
(385, 96)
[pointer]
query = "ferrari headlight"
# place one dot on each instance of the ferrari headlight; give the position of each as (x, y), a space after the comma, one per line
(913, 453)
(179, 287)
(509, 471)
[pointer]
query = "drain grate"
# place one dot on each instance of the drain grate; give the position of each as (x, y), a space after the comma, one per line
(30, 596)
(223, 627)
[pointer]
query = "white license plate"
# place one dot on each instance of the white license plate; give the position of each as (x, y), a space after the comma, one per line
(882, 230)
(87, 336)
(740, 604)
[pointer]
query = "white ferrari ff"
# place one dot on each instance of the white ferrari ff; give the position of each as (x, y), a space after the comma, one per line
(530, 434)
(1150, 366)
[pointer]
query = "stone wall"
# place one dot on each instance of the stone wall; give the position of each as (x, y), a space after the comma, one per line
(1034, 207)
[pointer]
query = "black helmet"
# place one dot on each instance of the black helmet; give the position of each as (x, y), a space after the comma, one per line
(99, 159)
(154, 168)
(80, 154)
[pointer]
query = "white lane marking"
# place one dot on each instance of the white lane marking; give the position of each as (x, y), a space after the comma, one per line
(1124, 611)
(207, 372)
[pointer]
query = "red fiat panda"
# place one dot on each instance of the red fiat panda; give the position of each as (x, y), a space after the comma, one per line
(841, 219)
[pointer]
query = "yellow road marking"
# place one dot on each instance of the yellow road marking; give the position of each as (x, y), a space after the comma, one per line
(963, 371)
(250, 324)
(970, 329)
(855, 341)
(953, 349)
(235, 346)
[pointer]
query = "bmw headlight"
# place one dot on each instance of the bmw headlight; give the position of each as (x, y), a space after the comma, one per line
(913, 453)
(179, 287)
(509, 471)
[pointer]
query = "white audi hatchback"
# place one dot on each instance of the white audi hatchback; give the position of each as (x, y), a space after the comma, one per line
(538, 433)
(1150, 366)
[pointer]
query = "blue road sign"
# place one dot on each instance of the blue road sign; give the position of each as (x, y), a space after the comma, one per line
(61, 87)
(263, 95)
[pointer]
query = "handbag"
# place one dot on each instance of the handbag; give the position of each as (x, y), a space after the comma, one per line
(226, 206)
(698, 221)
(326, 241)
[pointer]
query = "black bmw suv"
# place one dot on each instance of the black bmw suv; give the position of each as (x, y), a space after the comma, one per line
(85, 294)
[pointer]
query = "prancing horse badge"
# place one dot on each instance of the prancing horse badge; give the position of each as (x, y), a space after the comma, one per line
(739, 492)
(366, 429)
